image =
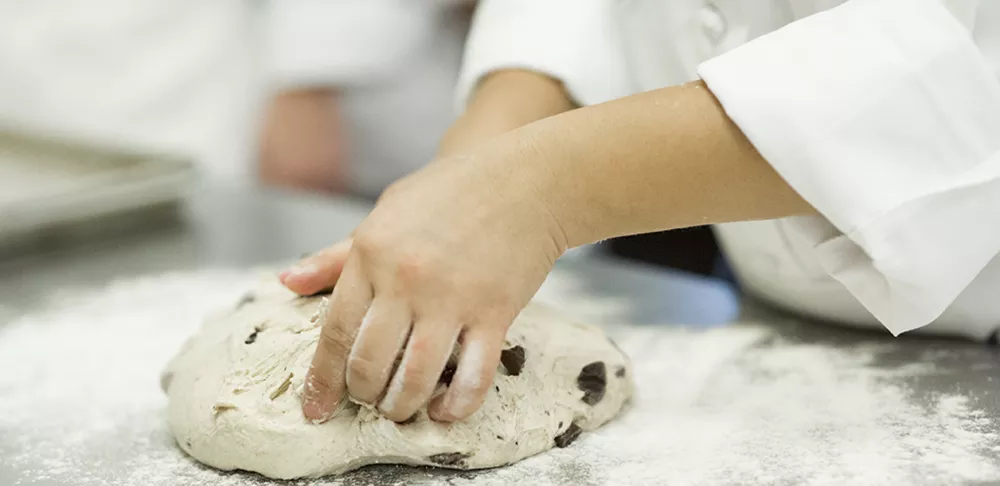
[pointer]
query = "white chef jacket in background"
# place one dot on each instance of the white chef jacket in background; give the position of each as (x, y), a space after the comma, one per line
(395, 63)
(883, 114)
(178, 76)
(190, 77)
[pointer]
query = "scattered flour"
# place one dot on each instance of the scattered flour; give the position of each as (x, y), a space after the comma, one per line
(80, 403)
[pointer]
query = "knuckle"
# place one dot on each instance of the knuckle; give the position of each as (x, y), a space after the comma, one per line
(390, 190)
(397, 187)
(410, 389)
(417, 345)
(364, 373)
(365, 245)
(336, 340)
(417, 381)
(321, 383)
(411, 268)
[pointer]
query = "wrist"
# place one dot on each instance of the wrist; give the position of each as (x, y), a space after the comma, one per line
(546, 163)
(517, 178)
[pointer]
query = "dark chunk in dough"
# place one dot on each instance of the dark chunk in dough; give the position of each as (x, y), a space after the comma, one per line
(513, 360)
(450, 458)
(620, 372)
(566, 438)
(252, 337)
(246, 299)
(593, 379)
(448, 373)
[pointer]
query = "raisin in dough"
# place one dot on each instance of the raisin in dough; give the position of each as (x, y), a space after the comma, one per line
(235, 396)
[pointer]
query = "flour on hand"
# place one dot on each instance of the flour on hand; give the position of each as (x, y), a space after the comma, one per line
(235, 396)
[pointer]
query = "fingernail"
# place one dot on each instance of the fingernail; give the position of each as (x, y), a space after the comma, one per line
(320, 416)
(314, 407)
(316, 411)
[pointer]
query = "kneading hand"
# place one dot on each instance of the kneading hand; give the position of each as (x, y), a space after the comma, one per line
(454, 252)
(449, 255)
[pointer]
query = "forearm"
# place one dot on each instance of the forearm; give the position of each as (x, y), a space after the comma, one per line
(302, 140)
(505, 100)
(664, 159)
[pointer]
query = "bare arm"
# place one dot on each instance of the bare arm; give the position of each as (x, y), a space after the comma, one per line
(302, 141)
(664, 159)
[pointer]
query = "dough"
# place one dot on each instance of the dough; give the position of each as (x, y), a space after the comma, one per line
(235, 396)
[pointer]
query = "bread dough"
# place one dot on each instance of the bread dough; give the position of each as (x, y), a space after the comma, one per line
(235, 396)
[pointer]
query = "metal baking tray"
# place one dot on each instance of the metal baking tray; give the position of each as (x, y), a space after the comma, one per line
(55, 191)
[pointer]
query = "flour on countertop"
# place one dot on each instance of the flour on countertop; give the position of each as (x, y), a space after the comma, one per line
(80, 403)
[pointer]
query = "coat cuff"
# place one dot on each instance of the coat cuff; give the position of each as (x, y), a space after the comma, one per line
(883, 115)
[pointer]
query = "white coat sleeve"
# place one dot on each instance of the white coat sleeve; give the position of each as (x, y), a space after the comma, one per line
(574, 41)
(884, 115)
(343, 42)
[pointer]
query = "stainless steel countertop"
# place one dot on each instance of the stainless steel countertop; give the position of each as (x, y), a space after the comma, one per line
(241, 228)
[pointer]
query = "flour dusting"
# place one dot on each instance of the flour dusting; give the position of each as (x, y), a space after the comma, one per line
(80, 403)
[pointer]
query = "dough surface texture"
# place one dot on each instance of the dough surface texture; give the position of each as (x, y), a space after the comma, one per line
(235, 389)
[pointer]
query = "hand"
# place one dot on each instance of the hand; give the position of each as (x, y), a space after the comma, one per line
(302, 143)
(449, 256)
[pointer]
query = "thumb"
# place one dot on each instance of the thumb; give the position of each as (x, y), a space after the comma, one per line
(318, 272)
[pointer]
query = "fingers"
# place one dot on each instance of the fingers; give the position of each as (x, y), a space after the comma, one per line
(325, 383)
(317, 272)
(426, 355)
(477, 365)
(382, 335)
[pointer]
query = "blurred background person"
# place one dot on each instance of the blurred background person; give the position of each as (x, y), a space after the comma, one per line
(342, 96)
(360, 91)
(362, 94)
(332, 96)
(175, 76)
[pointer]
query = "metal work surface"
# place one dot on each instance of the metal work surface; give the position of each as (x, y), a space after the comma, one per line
(57, 189)
(730, 392)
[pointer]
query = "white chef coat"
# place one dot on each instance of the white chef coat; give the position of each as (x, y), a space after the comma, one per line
(396, 63)
(178, 76)
(883, 114)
